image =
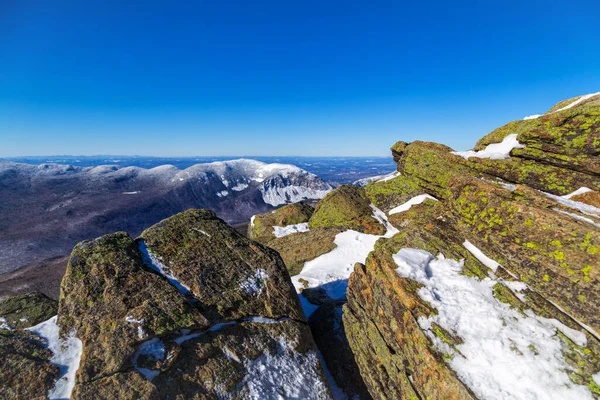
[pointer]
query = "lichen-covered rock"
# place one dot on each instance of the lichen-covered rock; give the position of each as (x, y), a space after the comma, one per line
(114, 303)
(591, 198)
(25, 368)
(346, 207)
(261, 226)
(542, 244)
(555, 254)
(298, 248)
(393, 353)
(229, 275)
(121, 385)
(27, 310)
(193, 309)
(574, 131)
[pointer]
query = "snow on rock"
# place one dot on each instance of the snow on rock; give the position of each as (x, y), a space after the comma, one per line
(154, 262)
(291, 374)
(412, 202)
(579, 191)
(153, 349)
(332, 270)
(583, 207)
(281, 231)
(389, 177)
(254, 283)
(571, 105)
(579, 100)
(494, 151)
(252, 221)
(596, 378)
(504, 354)
(534, 116)
(478, 254)
(222, 193)
(577, 216)
(66, 355)
(4, 325)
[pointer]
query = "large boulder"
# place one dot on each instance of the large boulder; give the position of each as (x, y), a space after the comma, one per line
(192, 309)
(346, 207)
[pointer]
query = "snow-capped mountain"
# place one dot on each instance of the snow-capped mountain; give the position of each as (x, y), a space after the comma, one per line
(48, 208)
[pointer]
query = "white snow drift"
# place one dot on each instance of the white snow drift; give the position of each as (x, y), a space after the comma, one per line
(66, 356)
(412, 202)
(494, 151)
(334, 268)
(504, 354)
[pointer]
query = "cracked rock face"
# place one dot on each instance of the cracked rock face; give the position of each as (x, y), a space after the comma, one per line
(204, 313)
(537, 247)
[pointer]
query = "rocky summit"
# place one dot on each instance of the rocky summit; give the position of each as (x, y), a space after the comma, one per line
(191, 309)
(462, 275)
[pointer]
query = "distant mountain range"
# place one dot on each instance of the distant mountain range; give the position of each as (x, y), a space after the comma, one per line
(48, 208)
(334, 170)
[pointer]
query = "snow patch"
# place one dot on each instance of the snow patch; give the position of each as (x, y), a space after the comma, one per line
(577, 216)
(281, 231)
(579, 191)
(201, 231)
(389, 177)
(4, 325)
(131, 192)
(478, 254)
(223, 193)
(239, 187)
(571, 105)
(596, 378)
(494, 151)
(284, 374)
(155, 263)
(412, 202)
(254, 284)
(583, 207)
(579, 100)
(534, 116)
(504, 353)
(66, 355)
(332, 270)
(153, 349)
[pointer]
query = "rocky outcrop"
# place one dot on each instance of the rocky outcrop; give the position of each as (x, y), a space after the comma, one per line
(191, 309)
(261, 227)
(298, 248)
(505, 219)
(346, 207)
(26, 310)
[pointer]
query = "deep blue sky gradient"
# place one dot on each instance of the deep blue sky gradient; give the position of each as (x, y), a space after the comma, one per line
(183, 78)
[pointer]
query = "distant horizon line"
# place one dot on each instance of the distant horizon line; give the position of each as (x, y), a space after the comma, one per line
(182, 157)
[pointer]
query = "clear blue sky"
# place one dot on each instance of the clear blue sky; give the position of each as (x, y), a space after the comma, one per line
(279, 77)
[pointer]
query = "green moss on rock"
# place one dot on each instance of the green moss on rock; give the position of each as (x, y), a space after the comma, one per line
(346, 207)
(261, 227)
